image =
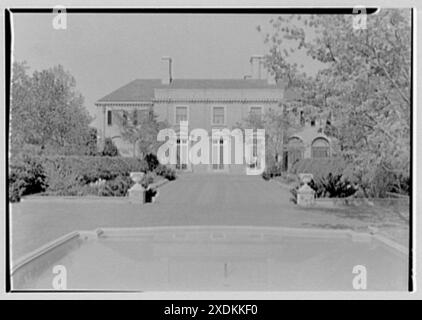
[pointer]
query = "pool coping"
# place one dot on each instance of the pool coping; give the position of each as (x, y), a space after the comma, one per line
(49, 246)
(287, 231)
(213, 231)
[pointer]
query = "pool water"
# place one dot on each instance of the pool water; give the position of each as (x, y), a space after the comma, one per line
(268, 259)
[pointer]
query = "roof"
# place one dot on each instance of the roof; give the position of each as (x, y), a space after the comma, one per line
(143, 89)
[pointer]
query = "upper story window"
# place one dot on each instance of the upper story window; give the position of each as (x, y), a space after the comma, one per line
(109, 118)
(218, 115)
(181, 114)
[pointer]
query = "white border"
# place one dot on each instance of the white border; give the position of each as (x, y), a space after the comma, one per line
(417, 132)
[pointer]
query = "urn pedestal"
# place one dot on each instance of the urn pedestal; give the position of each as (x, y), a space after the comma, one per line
(136, 194)
(305, 194)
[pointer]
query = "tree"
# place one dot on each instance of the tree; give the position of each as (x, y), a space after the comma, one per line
(47, 112)
(91, 142)
(141, 130)
(365, 80)
(20, 104)
(277, 125)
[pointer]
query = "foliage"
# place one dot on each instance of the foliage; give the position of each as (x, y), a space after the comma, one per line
(78, 175)
(364, 77)
(141, 129)
(378, 183)
(110, 149)
(278, 126)
(150, 194)
(319, 167)
(274, 170)
(48, 112)
(26, 176)
(91, 143)
(90, 169)
(332, 186)
(293, 191)
(152, 161)
(117, 187)
(166, 172)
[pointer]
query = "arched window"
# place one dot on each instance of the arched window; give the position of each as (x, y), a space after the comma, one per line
(320, 148)
(295, 150)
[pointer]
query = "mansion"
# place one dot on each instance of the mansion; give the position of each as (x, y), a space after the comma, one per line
(208, 104)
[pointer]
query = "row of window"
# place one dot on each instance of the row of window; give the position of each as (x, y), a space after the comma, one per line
(182, 114)
(320, 148)
(218, 114)
(136, 116)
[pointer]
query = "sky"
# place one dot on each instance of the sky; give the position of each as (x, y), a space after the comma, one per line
(106, 51)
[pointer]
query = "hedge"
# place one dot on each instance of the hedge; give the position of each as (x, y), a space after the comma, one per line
(90, 169)
(69, 175)
(26, 176)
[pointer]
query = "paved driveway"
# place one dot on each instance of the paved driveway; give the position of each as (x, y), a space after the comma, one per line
(221, 193)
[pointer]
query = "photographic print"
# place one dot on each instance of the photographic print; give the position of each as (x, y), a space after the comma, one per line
(210, 149)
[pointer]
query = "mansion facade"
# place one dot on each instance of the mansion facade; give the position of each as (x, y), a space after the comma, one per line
(207, 104)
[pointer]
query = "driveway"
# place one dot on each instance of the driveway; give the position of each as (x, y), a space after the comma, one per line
(209, 199)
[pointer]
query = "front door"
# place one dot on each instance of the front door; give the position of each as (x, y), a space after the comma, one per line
(218, 154)
(182, 154)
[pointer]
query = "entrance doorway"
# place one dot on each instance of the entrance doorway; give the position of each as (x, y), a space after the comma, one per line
(182, 154)
(218, 154)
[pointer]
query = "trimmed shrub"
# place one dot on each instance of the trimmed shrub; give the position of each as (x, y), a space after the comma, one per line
(78, 175)
(117, 187)
(84, 170)
(26, 176)
(332, 186)
(166, 172)
(274, 170)
(110, 149)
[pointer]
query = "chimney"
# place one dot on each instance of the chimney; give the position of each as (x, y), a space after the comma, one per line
(166, 77)
(256, 66)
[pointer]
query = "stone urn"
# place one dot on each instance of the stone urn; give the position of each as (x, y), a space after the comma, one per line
(305, 194)
(136, 194)
(306, 177)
